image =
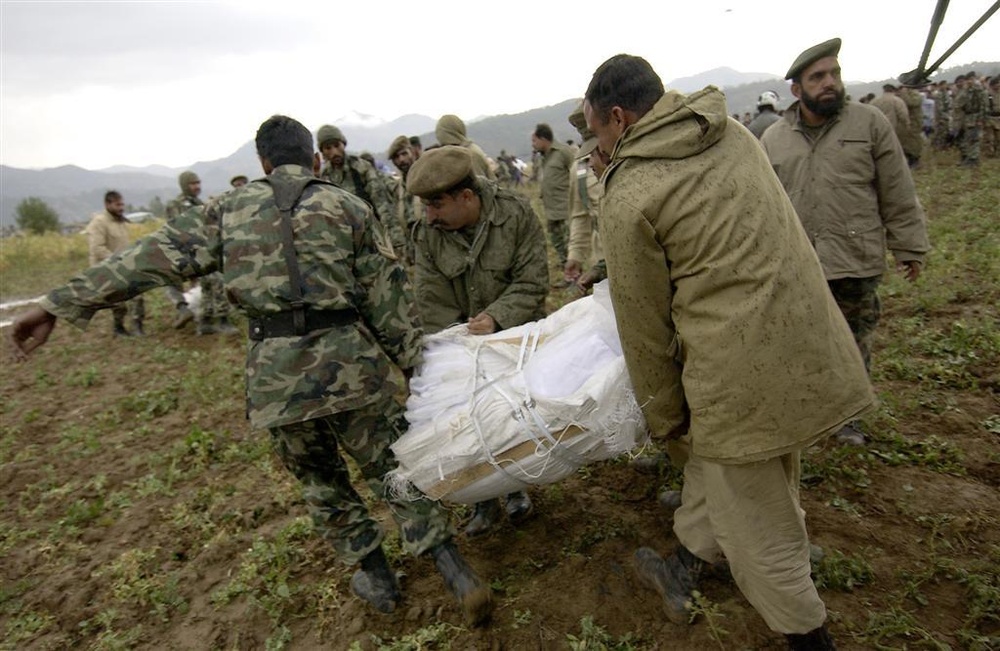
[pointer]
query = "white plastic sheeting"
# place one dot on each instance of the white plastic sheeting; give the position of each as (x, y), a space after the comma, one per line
(529, 405)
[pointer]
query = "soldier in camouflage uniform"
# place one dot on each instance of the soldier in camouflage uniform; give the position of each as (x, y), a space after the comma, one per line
(970, 115)
(556, 168)
(407, 209)
(360, 178)
(480, 260)
(942, 115)
(214, 315)
(991, 134)
(333, 331)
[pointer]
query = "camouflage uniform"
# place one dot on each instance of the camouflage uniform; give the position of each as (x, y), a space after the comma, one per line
(497, 266)
(970, 114)
(332, 387)
(942, 117)
(361, 179)
(991, 134)
(107, 235)
(214, 305)
(913, 143)
(557, 166)
(408, 212)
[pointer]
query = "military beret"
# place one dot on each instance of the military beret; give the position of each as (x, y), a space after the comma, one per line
(327, 133)
(439, 170)
(400, 143)
(186, 179)
(238, 177)
(579, 123)
(825, 49)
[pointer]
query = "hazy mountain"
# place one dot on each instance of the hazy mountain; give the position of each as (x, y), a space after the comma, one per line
(76, 193)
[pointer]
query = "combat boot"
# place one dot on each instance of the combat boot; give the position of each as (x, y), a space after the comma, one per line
(674, 578)
(669, 499)
(184, 316)
(484, 517)
(137, 328)
(376, 583)
(119, 327)
(206, 326)
(817, 639)
(463, 583)
(225, 327)
(518, 506)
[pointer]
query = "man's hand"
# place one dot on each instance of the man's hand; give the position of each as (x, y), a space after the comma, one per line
(572, 270)
(31, 330)
(482, 324)
(585, 282)
(910, 269)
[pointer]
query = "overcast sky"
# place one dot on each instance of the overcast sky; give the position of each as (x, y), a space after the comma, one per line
(102, 83)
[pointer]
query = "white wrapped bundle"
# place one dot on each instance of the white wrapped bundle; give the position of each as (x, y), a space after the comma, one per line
(529, 405)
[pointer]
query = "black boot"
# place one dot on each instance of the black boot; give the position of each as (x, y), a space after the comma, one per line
(817, 639)
(119, 329)
(674, 578)
(484, 517)
(206, 326)
(463, 583)
(376, 583)
(518, 506)
(225, 327)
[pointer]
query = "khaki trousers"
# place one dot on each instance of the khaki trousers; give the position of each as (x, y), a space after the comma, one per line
(750, 514)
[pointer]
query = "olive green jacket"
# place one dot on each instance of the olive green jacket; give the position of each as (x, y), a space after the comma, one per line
(558, 169)
(726, 322)
(504, 272)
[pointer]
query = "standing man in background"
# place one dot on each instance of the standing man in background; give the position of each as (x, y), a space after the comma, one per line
(556, 167)
(107, 234)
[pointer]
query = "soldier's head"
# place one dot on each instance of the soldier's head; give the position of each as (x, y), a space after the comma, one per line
(282, 140)
(888, 89)
(332, 144)
(450, 130)
(416, 146)
(114, 203)
(238, 181)
(444, 180)
(541, 138)
(401, 154)
(190, 183)
(623, 89)
(816, 81)
(598, 161)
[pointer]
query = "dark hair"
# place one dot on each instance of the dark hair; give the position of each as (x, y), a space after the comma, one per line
(544, 132)
(626, 81)
(415, 141)
(112, 195)
(284, 141)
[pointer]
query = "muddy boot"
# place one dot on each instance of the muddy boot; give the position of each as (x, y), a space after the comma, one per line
(817, 639)
(484, 518)
(850, 434)
(137, 328)
(473, 595)
(673, 578)
(225, 327)
(206, 326)
(119, 327)
(669, 499)
(184, 316)
(518, 506)
(376, 583)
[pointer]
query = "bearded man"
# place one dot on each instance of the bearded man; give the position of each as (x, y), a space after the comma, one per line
(845, 172)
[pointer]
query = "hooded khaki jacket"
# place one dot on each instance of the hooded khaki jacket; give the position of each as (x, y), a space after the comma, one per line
(721, 304)
(851, 188)
(106, 235)
(504, 272)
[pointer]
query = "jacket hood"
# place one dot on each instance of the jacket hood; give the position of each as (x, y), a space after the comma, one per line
(678, 126)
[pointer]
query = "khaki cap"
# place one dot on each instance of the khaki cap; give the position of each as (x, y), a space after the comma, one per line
(400, 143)
(579, 123)
(238, 177)
(825, 49)
(327, 133)
(439, 170)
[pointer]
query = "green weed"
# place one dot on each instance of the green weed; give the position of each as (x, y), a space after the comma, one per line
(594, 638)
(845, 573)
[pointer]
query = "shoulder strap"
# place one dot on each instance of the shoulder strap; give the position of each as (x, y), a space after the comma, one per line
(286, 195)
(359, 184)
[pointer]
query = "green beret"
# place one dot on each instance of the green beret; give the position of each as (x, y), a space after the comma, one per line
(327, 133)
(439, 170)
(825, 49)
(398, 145)
(238, 177)
(579, 123)
(186, 179)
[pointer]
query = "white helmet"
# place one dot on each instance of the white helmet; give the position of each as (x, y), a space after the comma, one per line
(768, 98)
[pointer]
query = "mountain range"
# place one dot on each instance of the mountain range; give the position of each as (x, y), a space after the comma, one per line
(75, 193)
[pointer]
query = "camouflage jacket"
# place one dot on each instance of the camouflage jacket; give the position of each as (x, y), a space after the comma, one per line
(503, 271)
(288, 379)
(358, 177)
(408, 212)
(557, 168)
(969, 109)
(181, 204)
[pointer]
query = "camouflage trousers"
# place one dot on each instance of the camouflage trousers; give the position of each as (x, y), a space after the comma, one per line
(213, 296)
(136, 308)
(941, 138)
(968, 144)
(991, 137)
(857, 299)
(312, 450)
(558, 230)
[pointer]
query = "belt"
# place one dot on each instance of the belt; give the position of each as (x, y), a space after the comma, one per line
(282, 324)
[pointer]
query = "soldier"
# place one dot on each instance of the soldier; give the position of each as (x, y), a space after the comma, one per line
(333, 332)
(188, 182)
(970, 114)
(991, 134)
(913, 144)
(417, 147)
(895, 111)
(584, 233)
(942, 115)
(361, 179)
(214, 316)
(450, 130)
(238, 181)
(703, 249)
(107, 234)
(408, 210)
(555, 168)
(767, 113)
(853, 201)
(481, 261)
